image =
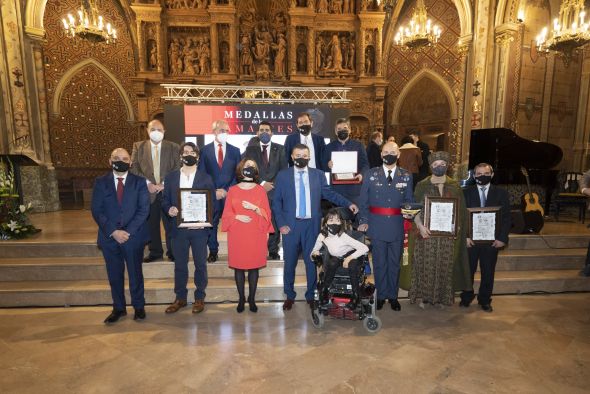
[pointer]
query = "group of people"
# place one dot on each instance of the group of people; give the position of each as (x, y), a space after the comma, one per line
(275, 192)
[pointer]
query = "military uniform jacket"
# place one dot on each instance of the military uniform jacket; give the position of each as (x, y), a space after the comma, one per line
(376, 192)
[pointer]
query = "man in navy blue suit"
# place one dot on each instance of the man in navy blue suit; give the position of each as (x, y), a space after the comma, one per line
(345, 144)
(120, 207)
(219, 159)
(297, 208)
(384, 191)
(314, 142)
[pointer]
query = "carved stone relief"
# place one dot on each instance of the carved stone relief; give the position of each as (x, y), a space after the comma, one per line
(184, 4)
(335, 54)
(189, 51)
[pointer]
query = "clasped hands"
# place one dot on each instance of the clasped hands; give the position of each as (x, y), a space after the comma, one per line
(121, 236)
(247, 205)
(496, 244)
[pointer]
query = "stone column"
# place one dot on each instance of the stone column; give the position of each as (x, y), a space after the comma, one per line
(310, 51)
(361, 52)
(547, 96)
(233, 61)
(292, 50)
(141, 45)
(379, 52)
(483, 45)
(42, 98)
(214, 49)
(161, 49)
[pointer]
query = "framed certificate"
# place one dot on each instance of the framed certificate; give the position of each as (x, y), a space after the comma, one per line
(195, 208)
(344, 167)
(483, 223)
(440, 215)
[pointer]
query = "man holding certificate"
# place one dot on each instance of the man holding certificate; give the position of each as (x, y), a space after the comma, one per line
(347, 160)
(488, 232)
(384, 191)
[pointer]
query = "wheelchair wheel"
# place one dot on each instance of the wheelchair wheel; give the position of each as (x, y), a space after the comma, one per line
(317, 318)
(372, 324)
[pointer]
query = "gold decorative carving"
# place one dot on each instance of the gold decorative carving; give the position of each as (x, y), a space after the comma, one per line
(337, 54)
(189, 51)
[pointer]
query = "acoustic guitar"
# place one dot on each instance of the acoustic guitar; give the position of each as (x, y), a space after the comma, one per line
(533, 212)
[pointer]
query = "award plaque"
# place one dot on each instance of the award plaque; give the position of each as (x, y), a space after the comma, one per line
(440, 215)
(483, 223)
(195, 208)
(344, 168)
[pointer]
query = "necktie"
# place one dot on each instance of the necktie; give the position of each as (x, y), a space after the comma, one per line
(482, 197)
(265, 155)
(302, 202)
(220, 156)
(120, 188)
(389, 178)
(156, 164)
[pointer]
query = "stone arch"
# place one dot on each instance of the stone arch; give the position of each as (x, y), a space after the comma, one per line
(424, 73)
(65, 79)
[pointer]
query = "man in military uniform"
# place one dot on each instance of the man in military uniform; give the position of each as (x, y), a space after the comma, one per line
(384, 191)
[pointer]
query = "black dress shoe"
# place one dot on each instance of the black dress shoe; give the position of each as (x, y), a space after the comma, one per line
(487, 308)
(139, 314)
(150, 259)
(380, 304)
(274, 256)
(464, 304)
(114, 316)
(395, 305)
(252, 305)
(170, 258)
(212, 257)
(240, 307)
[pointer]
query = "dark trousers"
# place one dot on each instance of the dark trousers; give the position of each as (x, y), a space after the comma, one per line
(386, 266)
(274, 238)
(212, 242)
(487, 257)
(116, 256)
(155, 244)
(196, 240)
(301, 238)
(331, 265)
(586, 270)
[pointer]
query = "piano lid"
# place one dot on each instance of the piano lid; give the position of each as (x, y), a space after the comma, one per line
(504, 149)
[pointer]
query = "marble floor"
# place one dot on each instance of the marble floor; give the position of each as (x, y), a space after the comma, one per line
(530, 344)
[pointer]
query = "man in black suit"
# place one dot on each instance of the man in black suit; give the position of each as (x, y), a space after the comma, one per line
(484, 194)
(270, 158)
(425, 150)
(374, 150)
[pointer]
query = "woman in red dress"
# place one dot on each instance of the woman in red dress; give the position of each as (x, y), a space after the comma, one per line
(247, 220)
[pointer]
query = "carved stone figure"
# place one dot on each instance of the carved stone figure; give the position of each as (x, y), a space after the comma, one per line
(344, 46)
(336, 7)
(364, 5)
(351, 55)
(369, 60)
(346, 9)
(319, 52)
(335, 53)
(189, 58)
(204, 53)
(153, 57)
(281, 56)
(246, 60)
(174, 55)
(323, 6)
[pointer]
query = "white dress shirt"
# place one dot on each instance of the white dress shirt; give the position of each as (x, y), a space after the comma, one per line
(308, 140)
(124, 176)
(186, 182)
(386, 170)
(307, 192)
(339, 245)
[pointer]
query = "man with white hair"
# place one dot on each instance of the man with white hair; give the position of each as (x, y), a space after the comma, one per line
(219, 159)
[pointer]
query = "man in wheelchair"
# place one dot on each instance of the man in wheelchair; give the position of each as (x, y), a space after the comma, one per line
(335, 249)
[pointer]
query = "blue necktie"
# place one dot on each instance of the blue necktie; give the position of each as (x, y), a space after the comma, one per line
(482, 197)
(302, 202)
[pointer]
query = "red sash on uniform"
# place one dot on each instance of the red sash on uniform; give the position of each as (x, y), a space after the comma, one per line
(385, 211)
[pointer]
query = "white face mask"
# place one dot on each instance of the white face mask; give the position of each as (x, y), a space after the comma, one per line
(156, 136)
(222, 138)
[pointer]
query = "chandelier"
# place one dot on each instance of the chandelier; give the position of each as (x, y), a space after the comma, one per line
(89, 25)
(419, 33)
(570, 30)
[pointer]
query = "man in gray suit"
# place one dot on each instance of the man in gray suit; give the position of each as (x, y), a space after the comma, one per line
(153, 159)
(271, 159)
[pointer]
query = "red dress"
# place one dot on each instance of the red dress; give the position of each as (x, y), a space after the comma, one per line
(246, 242)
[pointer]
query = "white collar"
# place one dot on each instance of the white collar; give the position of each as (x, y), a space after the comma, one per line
(387, 169)
(124, 176)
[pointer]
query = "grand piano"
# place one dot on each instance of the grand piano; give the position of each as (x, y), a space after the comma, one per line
(507, 153)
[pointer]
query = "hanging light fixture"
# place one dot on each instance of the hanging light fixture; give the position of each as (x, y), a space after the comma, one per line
(420, 33)
(570, 30)
(89, 24)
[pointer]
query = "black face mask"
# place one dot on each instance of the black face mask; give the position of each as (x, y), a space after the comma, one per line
(439, 171)
(305, 129)
(189, 160)
(334, 228)
(389, 159)
(301, 162)
(249, 172)
(342, 134)
(483, 179)
(120, 166)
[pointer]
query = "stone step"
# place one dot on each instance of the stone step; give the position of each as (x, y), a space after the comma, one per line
(93, 268)
(553, 241)
(541, 259)
(160, 291)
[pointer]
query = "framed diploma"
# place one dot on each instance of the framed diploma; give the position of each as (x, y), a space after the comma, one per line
(483, 223)
(195, 208)
(440, 215)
